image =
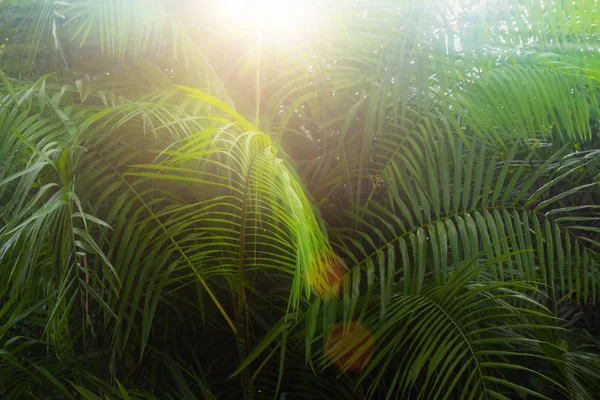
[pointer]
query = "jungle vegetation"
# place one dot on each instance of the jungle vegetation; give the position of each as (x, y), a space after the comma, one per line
(403, 204)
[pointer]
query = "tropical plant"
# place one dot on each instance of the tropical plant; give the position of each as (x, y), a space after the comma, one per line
(403, 207)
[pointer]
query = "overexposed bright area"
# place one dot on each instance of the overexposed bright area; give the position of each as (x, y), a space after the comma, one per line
(276, 20)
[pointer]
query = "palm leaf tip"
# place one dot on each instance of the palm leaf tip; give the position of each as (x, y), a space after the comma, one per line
(326, 274)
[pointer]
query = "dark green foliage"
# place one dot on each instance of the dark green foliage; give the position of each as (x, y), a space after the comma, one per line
(170, 218)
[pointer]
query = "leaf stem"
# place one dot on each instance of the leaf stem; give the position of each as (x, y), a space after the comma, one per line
(258, 76)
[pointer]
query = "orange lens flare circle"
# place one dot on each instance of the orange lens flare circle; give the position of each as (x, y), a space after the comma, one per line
(349, 346)
(328, 278)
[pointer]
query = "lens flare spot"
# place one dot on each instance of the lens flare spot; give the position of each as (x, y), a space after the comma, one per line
(349, 346)
(328, 277)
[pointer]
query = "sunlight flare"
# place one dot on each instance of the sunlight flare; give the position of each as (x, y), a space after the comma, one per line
(349, 346)
(281, 20)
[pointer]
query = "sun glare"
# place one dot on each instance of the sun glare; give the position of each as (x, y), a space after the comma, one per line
(277, 19)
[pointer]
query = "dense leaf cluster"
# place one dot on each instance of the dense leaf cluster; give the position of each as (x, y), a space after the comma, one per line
(403, 206)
